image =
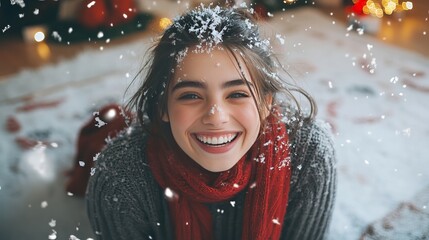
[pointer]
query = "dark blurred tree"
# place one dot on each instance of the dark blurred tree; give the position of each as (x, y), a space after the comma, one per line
(281, 5)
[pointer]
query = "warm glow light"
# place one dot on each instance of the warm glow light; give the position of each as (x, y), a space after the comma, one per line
(373, 8)
(43, 50)
(39, 36)
(365, 10)
(407, 5)
(389, 6)
(165, 23)
(380, 7)
(379, 13)
(289, 1)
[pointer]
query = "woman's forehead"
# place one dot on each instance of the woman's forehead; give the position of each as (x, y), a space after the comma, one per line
(218, 62)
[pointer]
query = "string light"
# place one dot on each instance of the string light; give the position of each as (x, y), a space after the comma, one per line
(407, 5)
(388, 7)
(39, 36)
(164, 23)
(289, 1)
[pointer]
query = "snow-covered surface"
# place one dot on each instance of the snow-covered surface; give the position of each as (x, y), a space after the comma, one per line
(374, 95)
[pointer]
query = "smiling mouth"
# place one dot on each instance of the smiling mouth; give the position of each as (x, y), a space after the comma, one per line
(218, 140)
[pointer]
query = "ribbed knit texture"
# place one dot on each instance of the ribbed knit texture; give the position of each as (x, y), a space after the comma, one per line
(125, 202)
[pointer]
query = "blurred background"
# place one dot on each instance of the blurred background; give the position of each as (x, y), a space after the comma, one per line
(402, 23)
(65, 63)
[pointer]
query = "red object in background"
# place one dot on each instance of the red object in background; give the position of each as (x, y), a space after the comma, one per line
(121, 11)
(102, 13)
(261, 11)
(91, 139)
(12, 124)
(31, 106)
(27, 143)
(92, 16)
(357, 8)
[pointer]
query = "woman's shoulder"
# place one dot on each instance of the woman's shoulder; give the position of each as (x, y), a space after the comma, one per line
(312, 150)
(313, 181)
(121, 168)
(121, 181)
(125, 154)
(314, 133)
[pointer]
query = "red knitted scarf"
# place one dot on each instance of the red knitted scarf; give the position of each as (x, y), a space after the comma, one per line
(264, 172)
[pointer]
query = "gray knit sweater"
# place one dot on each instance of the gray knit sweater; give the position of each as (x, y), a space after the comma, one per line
(125, 202)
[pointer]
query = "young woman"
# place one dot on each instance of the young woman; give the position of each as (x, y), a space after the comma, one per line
(222, 149)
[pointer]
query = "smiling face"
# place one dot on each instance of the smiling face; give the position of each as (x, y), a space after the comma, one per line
(210, 108)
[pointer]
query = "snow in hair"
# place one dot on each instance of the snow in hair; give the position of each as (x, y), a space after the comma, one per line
(208, 25)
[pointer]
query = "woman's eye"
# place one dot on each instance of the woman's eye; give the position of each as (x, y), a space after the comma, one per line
(189, 96)
(238, 95)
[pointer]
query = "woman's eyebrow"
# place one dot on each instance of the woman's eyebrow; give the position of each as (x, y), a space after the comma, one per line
(237, 82)
(188, 83)
(199, 84)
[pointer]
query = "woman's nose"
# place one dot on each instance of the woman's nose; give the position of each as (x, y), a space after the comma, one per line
(215, 115)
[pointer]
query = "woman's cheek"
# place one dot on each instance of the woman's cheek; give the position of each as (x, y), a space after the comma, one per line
(182, 114)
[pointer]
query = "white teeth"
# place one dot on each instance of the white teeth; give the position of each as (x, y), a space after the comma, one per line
(217, 140)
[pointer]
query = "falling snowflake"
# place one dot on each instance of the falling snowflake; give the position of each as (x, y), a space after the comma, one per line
(95, 157)
(56, 36)
(99, 123)
(52, 223)
(280, 38)
(92, 171)
(276, 221)
(5, 28)
(394, 79)
(53, 235)
(169, 193)
(21, 3)
(90, 4)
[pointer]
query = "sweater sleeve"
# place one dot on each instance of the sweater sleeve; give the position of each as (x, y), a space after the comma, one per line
(313, 184)
(118, 197)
